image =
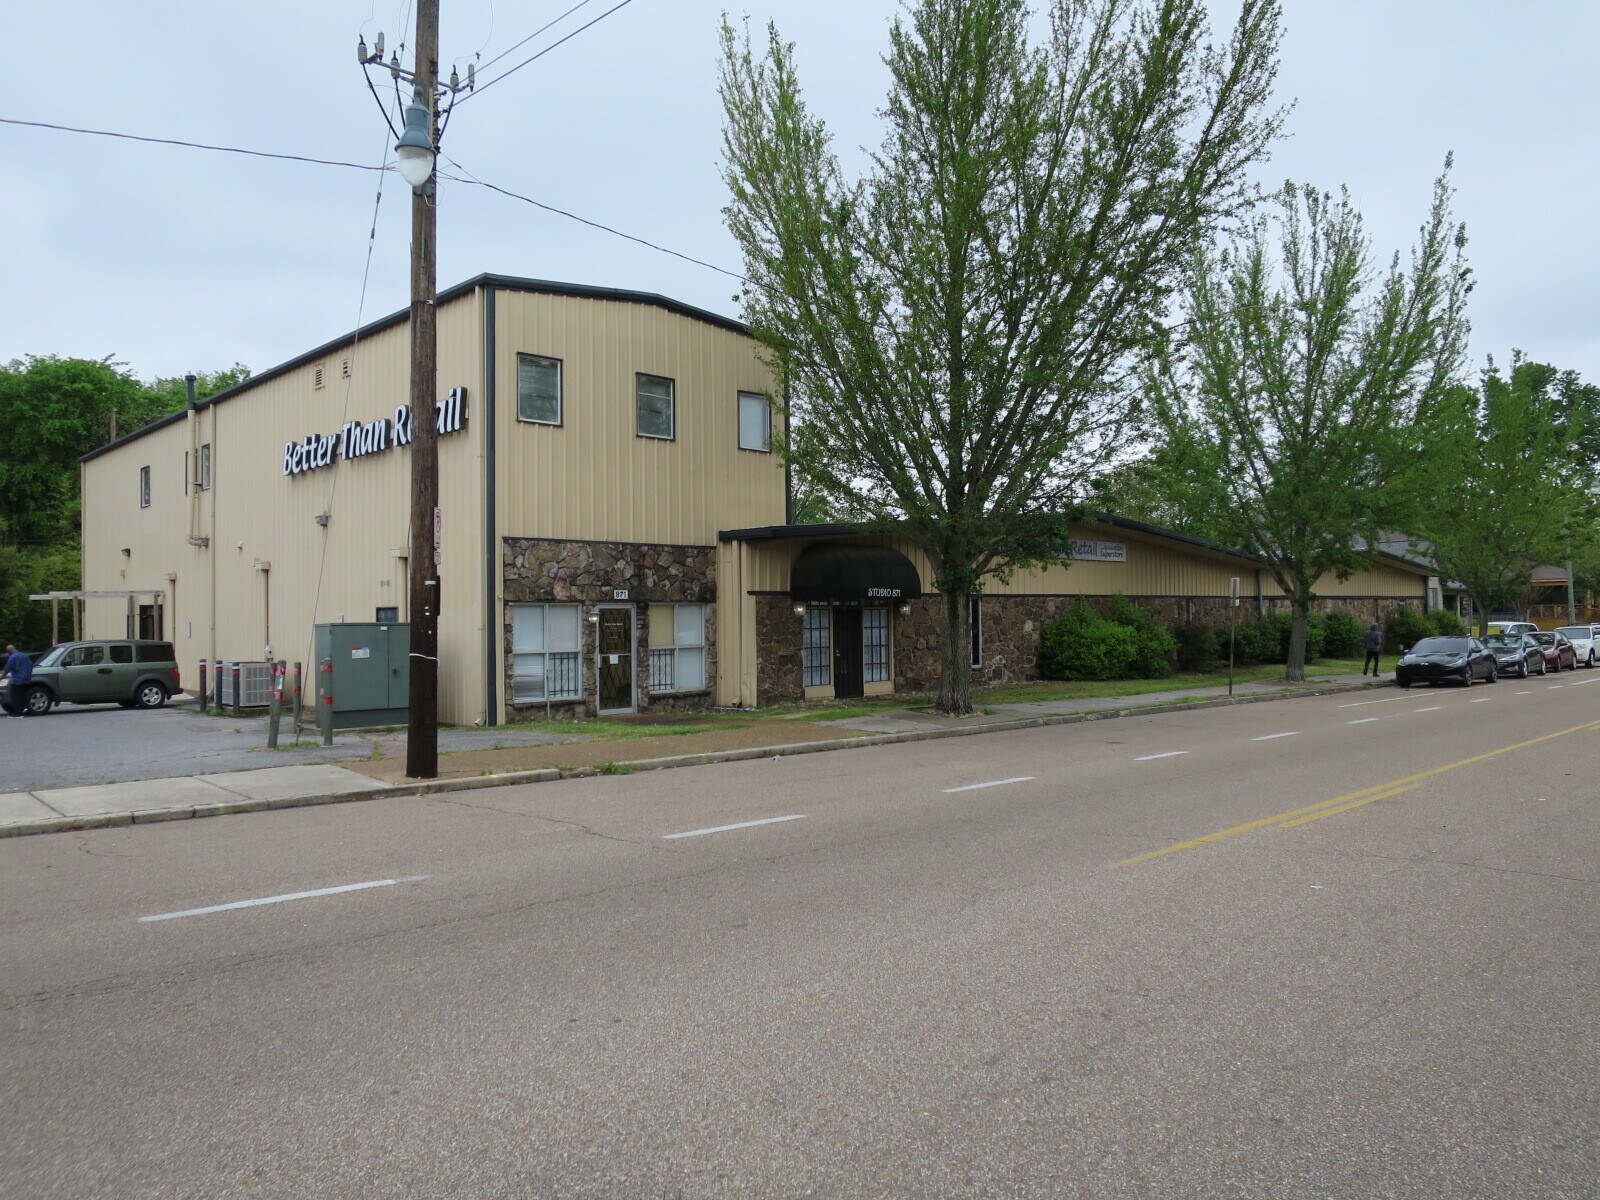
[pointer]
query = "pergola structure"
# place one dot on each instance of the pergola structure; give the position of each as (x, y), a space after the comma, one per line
(157, 598)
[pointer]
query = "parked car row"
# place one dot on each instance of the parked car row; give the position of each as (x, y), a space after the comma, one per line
(132, 673)
(1511, 648)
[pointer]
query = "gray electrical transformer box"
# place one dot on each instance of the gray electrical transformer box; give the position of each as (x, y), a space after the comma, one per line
(365, 671)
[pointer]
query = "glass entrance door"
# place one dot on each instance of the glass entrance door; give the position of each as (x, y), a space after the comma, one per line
(615, 654)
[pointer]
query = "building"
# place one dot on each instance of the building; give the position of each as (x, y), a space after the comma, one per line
(613, 530)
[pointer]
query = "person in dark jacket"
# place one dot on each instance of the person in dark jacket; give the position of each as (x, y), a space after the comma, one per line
(1374, 644)
(20, 667)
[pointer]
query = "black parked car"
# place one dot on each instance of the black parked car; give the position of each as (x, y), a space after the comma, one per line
(1516, 654)
(1446, 660)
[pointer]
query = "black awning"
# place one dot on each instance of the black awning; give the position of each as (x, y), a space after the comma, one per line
(835, 573)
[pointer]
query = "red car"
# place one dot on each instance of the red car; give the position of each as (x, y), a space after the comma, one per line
(1559, 653)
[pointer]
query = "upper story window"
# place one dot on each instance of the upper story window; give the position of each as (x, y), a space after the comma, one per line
(205, 467)
(144, 487)
(538, 389)
(755, 422)
(656, 396)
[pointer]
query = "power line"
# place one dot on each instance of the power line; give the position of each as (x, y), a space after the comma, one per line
(160, 141)
(534, 34)
(469, 178)
(547, 49)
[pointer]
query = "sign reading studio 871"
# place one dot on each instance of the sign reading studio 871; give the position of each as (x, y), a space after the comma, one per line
(357, 440)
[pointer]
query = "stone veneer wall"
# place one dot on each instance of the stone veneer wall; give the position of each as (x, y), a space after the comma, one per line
(780, 678)
(545, 571)
(1012, 626)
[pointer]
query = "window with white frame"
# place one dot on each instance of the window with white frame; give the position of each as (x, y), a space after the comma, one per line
(546, 657)
(875, 645)
(538, 389)
(755, 422)
(677, 648)
(144, 487)
(656, 398)
(816, 646)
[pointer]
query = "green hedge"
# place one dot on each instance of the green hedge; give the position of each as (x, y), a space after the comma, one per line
(1405, 628)
(1126, 643)
(1345, 637)
(1445, 623)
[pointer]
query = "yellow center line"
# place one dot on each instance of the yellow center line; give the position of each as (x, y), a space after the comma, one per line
(1342, 803)
(1317, 816)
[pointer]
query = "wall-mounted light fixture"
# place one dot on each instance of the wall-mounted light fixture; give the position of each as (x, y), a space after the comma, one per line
(127, 552)
(322, 519)
(799, 608)
(905, 608)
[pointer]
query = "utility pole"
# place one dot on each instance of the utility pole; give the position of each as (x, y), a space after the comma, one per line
(416, 157)
(422, 722)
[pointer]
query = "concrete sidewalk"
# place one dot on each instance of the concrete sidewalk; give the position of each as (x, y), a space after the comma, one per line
(147, 800)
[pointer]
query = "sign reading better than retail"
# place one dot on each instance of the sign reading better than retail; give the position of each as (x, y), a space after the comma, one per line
(1099, 552)
(356, 439)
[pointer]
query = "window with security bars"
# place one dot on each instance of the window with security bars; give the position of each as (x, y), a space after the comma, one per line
(875, 645)
(545, 653)
(538, 389)
(816, 649)
(677, 648)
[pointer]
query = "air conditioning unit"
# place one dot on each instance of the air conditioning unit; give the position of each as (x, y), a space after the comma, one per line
(255, 685)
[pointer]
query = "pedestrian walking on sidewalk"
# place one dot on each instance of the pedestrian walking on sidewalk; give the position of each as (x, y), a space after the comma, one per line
(20, 667)
(1374, 644)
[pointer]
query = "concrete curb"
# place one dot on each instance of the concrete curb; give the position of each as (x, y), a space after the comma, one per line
(706, 758)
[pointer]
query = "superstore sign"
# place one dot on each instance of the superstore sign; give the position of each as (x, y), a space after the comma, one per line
(357, 439)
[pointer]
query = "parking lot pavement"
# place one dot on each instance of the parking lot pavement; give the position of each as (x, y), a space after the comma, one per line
(82, 746)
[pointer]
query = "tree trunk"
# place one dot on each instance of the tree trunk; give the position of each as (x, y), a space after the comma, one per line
(1294, 670)
(955, 675)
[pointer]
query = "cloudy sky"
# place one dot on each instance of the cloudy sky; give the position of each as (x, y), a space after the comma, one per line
(174, 259)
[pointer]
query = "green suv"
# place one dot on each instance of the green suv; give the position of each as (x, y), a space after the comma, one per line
(134, 674)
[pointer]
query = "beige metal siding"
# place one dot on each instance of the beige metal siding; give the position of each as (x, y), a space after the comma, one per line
(1153, 568)
(1381, 579)
(593, 478)
(349, 567)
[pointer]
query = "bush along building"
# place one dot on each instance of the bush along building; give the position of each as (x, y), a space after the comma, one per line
(612, 524)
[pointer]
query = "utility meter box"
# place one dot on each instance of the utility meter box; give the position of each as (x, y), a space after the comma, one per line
(363, 674)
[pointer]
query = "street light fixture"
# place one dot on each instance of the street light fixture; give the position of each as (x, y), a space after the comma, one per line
(415, 152)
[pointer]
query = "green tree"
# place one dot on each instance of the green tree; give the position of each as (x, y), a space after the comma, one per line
(174, 391)
(954, 329)
(1291, 412)
(1514, 482)
(54, 411)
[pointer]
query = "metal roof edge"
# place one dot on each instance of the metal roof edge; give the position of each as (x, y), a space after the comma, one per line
(448, 295)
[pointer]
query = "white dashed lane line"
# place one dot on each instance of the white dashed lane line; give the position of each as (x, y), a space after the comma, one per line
(1364, 721)
(1434, 708)
(1479, 700)
(1364, 703)
(1166, 754)
(972, 787)
(668, 837)
(1270, 736)
(284, 898)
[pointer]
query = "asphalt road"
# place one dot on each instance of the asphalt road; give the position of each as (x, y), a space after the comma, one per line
(1264, 951)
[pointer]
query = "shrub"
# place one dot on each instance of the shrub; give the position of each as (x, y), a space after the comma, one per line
(1345, 636)
(1253, 642)
(1081, 645)
(1126, 643)
(1445, 623)
(1196, 647)
(1406, 627)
